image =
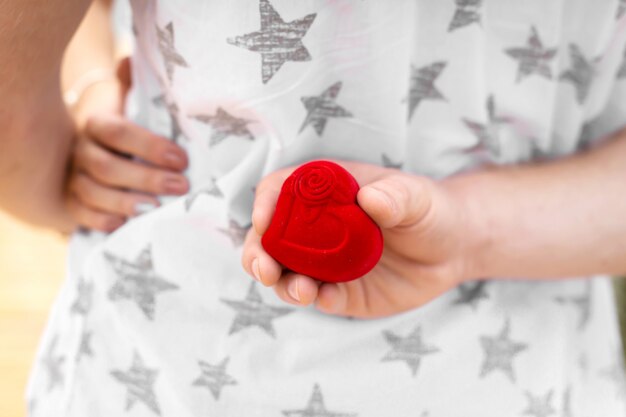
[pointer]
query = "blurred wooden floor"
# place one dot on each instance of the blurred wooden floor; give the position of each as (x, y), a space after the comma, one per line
(31, 270)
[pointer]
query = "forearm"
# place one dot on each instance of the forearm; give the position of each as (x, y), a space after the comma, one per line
(36, 129)
(33, 161)
(89, 61)
(92, 46)
(556, 219)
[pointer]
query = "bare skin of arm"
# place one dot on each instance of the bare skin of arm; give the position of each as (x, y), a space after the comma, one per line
(37, 130)
(557, 219)
(91, 47)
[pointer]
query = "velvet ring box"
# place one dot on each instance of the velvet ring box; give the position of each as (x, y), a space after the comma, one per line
(318, 228)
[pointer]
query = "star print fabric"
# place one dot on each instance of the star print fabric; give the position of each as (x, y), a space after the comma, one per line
(159, 319)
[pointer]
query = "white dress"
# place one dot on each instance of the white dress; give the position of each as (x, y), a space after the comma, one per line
(159, 319)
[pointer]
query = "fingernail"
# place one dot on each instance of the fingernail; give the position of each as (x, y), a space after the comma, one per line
(144, 207)
(174, 159)
(292, 289)
(175, 185)
(256, 270)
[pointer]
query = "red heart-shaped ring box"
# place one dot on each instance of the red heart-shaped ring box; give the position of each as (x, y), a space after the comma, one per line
(318, 228)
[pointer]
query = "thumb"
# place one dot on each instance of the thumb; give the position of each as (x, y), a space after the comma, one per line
(398, 200)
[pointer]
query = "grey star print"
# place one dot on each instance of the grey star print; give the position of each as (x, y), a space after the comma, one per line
(320, 108)
(389, 163)
(32, 407)
(539, 406)
(583, 363)
(166, 45)
(139, 381)
(621, 73)
(84, 290)
(53, 365)
(488, 135)
(212, 189)
(137, 281)
(621, 9)
(534, 58)
(582, 302)
(617, 373)
(409, 349)
(277, 41)
(254, 312)
(467, 12)
(236, 232)
(471, 293)
(581, 74)
(214, 377)
(500, 352)
(225, 125)
(422, 85)
(84, 348)
(172, 111)
(567, 403)
(316, 407)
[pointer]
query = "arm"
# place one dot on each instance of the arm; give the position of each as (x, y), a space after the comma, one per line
(564, 218)
(36, 128)
(557, 219)
(92, 51)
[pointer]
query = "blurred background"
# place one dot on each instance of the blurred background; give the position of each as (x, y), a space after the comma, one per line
(32, 266)
(31, 270)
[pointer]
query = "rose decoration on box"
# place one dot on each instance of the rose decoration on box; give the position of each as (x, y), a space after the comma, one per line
(318, 228)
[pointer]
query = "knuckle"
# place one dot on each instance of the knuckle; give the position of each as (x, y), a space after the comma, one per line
(399, 186)
(412, 196)
(422, 183)
(112, 130)
(83, 189)
(102, 164)
(151, 180)
(246, 259)
(92, 124)
(393, 186)
(281, 291)
(423, 199)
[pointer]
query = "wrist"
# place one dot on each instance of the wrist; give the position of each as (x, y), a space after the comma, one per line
(476, 232)
(103, 97)
(72, 96)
